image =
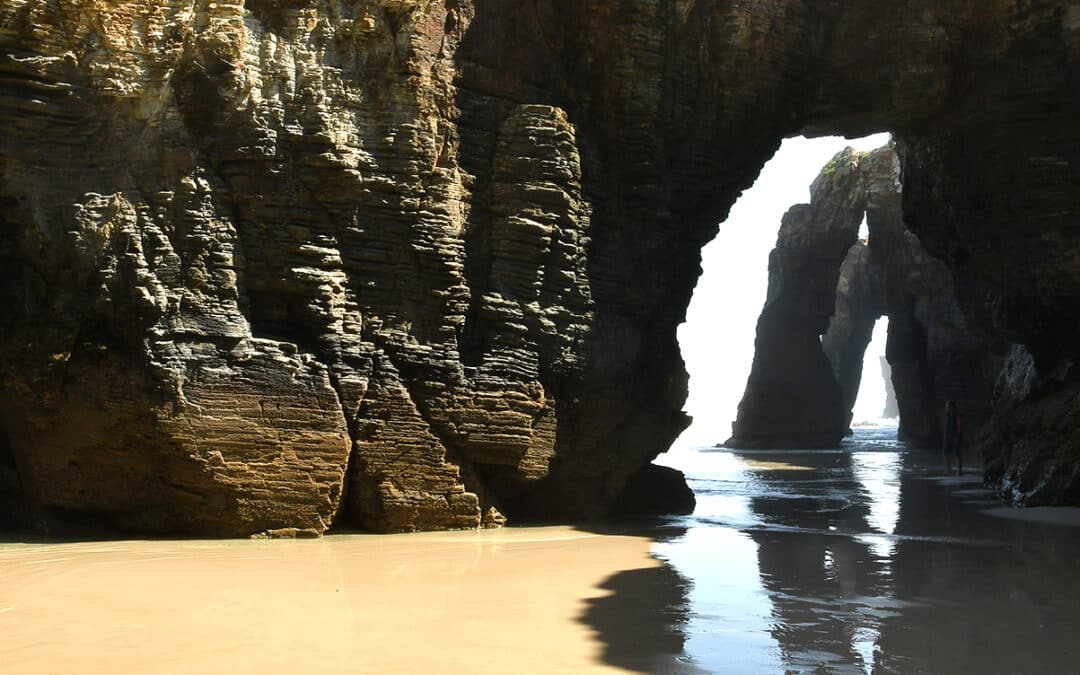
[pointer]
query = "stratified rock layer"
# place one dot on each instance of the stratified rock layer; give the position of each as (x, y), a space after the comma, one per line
(278, 264)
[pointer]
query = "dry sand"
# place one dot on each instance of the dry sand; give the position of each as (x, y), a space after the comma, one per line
(508, 601)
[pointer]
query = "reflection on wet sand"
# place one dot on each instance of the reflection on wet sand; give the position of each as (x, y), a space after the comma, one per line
(492, 602)
(855, 561)
(983, 595)
(642, 621)
(824, 584)
(870, 561)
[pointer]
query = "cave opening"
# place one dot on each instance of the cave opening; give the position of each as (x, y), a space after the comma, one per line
(718, 337)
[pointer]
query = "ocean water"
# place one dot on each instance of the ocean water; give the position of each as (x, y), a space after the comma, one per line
(866, 559)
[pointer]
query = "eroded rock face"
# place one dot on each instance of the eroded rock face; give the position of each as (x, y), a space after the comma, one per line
(1030, 445)
(402, 263)
(860, 302)
(934, 351)
(236, 246)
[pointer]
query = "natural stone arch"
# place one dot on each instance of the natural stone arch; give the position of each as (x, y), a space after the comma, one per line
(214, 209)
(822, 305)
(924, 80)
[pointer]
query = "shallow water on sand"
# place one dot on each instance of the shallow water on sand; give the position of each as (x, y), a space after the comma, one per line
(869, 559)
(861, 560)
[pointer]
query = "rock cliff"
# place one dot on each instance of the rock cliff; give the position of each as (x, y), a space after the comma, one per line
(277, 265)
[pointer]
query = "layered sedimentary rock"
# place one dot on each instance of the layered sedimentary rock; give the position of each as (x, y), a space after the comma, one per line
(1031, 440)
(279, 264)
(235, 238)
(933, 353)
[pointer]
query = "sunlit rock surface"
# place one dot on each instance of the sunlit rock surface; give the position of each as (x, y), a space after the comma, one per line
(275, 266)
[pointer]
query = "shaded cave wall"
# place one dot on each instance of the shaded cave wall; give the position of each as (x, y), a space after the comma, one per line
(405, 264)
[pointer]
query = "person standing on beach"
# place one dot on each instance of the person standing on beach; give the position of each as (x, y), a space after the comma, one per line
(953, 437)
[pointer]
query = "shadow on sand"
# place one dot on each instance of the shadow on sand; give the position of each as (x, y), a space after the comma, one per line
(642, 618)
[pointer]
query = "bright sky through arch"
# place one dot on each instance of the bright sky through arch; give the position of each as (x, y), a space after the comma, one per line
(718, 337)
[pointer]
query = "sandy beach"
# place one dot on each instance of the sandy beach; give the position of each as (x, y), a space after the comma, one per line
(866, 559)
(491, 601)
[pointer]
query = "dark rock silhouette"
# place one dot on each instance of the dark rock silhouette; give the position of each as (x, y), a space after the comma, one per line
(792, 396)
(933, 351)
(641, 619)
(655, 489)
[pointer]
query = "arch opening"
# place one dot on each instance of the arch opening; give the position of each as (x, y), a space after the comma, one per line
(875, 388)
(718, 338)
(827, 288)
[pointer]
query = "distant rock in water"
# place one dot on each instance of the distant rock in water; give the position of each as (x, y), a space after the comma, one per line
(890, 411)
(792, 396)
(826, 292)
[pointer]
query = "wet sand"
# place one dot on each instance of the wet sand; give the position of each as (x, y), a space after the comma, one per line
(870, 560)
(504, 601)
(866, 560)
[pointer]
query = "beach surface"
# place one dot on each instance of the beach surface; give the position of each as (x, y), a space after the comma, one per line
(867, 559)
(488, 601)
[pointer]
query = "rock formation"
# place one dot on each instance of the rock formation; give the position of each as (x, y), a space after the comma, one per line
(793, 397)
(932, 351)
(276, 265)
(890, 410)
(860, 302)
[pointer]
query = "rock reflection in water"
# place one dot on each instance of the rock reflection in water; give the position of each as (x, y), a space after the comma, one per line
(824, 584)
(982, 595)
(642, 621)
(869, 560)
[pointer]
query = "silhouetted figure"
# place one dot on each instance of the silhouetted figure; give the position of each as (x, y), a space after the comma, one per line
(953, 437)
